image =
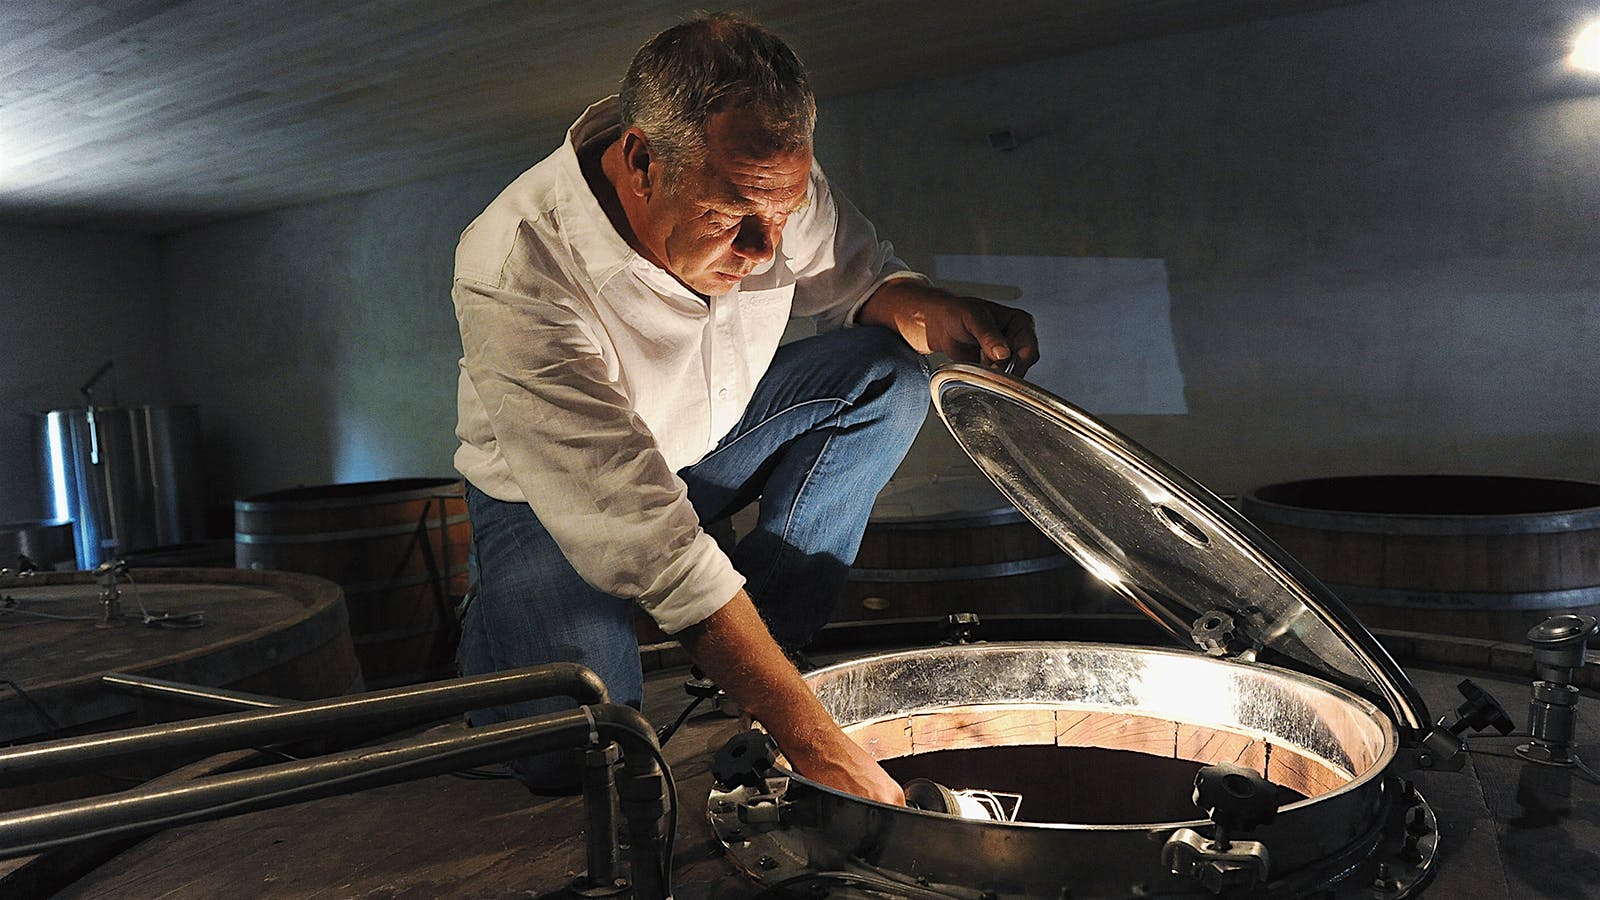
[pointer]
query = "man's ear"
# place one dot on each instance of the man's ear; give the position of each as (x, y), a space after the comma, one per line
(636, 158)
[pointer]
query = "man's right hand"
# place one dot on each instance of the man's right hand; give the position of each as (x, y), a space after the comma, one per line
(736, 651)
(849, 768)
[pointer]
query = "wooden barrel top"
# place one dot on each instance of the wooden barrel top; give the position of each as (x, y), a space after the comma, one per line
(1429, 505)
(257, 624)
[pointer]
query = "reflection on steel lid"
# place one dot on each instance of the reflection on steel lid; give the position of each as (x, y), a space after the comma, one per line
(1174, 550)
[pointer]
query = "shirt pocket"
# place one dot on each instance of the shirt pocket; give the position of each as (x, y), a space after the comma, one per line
(761, 319)
(766, 307)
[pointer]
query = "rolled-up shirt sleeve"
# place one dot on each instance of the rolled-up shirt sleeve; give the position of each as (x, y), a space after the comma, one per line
(838, 259)
(586, 463)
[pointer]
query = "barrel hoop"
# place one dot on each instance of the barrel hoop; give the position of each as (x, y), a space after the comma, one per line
(945, 521)
(353, 534)
(963, 573)
(382, 499)
(1469, 600)
(1440, 526)
(388, 584)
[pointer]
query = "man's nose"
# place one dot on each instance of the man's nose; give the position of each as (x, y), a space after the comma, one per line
(756, 240)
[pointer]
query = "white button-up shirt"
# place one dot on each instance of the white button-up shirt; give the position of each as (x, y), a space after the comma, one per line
(590, 376)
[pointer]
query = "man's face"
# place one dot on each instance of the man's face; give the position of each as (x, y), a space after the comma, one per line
(715, 225)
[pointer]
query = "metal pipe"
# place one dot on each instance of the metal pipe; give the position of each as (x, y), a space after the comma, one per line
(197, 694)
(394, 708)
(148, 808)
(599, 792)
(643, 794)
(599, 777)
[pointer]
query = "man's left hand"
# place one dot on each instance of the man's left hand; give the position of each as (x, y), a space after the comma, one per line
(966, 329)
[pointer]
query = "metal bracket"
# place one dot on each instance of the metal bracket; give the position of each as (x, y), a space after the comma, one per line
(742, 812)
(1439, 751)
(1440, 748)
(761, 812)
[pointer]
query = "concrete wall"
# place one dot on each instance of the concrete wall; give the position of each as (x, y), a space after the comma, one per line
(1378, 222)
(320, 340)
(72, 301)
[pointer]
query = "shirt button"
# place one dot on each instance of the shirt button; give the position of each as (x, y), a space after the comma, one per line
(722, 394)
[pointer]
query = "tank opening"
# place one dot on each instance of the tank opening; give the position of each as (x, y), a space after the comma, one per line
(1070, 785)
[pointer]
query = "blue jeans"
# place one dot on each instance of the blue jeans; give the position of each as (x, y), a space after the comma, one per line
(827, 426)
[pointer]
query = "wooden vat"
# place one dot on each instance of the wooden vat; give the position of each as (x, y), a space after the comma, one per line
(398, 548)
(942, 544)
(1477, 556)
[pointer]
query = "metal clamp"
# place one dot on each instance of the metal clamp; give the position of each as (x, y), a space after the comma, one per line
(1233, 869)
(1236, 799)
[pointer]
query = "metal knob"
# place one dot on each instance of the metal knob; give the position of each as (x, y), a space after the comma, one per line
(1238, 799)
(960, 627)
(1480, 711)
(1214, 633)
(744, 760)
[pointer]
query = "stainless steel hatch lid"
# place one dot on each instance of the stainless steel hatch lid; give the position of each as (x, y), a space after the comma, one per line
(1174, 550)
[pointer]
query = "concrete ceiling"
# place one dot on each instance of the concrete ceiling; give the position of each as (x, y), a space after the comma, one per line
(157, 115)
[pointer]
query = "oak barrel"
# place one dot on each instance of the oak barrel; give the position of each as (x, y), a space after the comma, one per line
(398, 548)
(1477, 556)
(941, 543)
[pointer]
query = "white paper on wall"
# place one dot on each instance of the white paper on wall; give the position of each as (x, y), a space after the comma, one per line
(1104, 325)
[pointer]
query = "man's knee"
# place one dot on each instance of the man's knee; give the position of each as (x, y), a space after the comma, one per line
(899, 377)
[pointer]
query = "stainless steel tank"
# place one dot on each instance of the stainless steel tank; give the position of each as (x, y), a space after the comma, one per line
(1278, 678)
(129, 478)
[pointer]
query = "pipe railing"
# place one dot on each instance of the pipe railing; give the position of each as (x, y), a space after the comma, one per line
(197, 694)
(395, 708)
(642, 787)
(598, 779)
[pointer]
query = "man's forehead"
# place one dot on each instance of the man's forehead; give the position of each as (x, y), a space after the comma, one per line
(738, 191)
(744, 168)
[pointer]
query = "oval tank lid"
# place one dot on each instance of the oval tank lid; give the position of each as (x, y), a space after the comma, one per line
(1163, 542)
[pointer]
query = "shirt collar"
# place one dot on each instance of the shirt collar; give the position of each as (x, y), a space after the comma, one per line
(589, 231)
(595, 241)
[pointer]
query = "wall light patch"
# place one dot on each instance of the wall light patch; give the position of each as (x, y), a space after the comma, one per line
(1586, 53)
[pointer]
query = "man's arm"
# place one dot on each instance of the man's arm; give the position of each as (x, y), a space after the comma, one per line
(735, 650)
(965, 329)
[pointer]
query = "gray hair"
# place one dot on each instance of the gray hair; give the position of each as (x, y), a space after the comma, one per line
(683, 75)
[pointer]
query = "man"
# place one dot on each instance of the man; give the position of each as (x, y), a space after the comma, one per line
(621, 384)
